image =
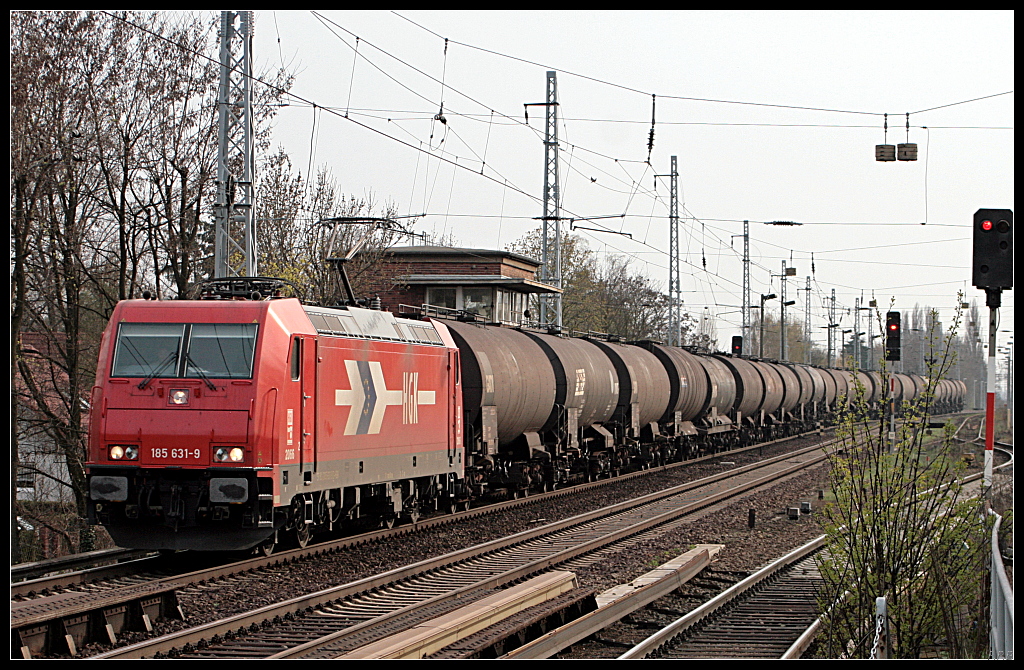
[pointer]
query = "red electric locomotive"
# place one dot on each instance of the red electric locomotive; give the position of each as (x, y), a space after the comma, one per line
(229, 424)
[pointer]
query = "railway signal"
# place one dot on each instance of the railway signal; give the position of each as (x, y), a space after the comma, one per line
(737, 345)
(992, 272)
(993, 249)
(892, 336)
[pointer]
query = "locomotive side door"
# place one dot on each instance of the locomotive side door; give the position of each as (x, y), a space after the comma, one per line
(307, 411)
(454, 406)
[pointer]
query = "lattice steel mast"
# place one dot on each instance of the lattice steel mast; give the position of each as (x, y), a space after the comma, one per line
(747, 325)
(551, 229)
(675, 294)
(234, 252)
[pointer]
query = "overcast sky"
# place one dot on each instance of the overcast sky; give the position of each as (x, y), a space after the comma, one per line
(772, 115)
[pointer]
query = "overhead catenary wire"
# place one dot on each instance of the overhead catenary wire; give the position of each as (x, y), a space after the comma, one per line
(506, 185)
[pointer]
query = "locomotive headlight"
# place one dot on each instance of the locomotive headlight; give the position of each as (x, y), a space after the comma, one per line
(228, 454)
(178, 397)
(124, 452)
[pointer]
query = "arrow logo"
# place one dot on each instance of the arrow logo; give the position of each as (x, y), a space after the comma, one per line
(369, 397)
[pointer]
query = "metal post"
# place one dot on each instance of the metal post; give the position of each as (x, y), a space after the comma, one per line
(990, 399)
(746, 281)
(892, 413)
(674, 292)
(807, 324)
(760, 337)
(782, 317)
(1009, 386)
(551, 270)
(880, 649)
(831, 328)
(856, 333)
(234, 215)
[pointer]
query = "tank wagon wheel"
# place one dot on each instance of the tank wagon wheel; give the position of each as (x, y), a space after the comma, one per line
(387, 522)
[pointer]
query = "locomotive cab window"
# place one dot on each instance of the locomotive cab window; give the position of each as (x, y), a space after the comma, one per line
(221, 350)
(145, 349)
(211, 350)
(296, 358)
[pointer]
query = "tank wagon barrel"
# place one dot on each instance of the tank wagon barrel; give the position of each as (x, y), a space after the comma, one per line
(721, 396)
(750, 389)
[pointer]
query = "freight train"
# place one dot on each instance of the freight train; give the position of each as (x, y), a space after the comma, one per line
(239, 421)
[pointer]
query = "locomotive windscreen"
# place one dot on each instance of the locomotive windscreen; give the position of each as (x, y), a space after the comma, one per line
(214, 350)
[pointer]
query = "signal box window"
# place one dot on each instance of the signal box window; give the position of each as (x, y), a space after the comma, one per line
(478, 301)
(441, 297)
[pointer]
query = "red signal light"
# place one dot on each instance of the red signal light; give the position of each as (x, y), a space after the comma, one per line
(986, 225)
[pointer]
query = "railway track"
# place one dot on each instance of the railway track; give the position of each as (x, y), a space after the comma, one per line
(141, 598)
(764, 616)
(73, 572)
(336, 621)
(80, 607)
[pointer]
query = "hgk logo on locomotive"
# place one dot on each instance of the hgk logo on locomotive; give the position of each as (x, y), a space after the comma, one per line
(369, 397)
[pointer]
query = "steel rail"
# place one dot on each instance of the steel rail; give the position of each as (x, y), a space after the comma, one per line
(91, 575)
(665, 635)
(570, 547)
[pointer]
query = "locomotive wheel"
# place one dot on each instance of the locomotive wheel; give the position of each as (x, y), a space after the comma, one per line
(266, 548)
(302, 534)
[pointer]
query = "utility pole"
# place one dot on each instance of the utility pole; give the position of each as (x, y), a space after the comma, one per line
(746, 281)
(856, 332)
(831, 327)
(234, 252)
(675, 294)
(748, 325)
(782, 316)
(807, 324)
(786, 272)
(551, 230)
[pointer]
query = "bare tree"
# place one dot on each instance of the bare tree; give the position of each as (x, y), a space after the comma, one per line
(607, 296)
(112, 154)
(303, 223)
(55, 186)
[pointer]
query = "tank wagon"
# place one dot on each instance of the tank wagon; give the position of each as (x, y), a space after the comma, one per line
(230, 424)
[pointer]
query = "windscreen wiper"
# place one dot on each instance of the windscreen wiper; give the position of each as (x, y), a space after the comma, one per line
(171, 357)
(202, 375)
